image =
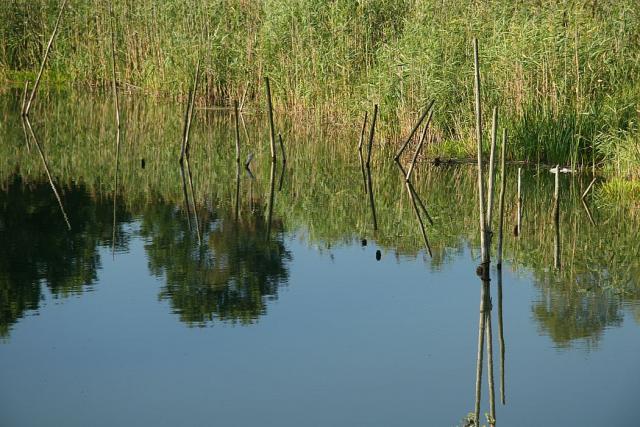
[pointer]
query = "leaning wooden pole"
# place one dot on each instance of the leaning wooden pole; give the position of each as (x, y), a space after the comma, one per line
(187, 142)
(284, 155)
(272, 134)
(368, 165)
(419, 148)
(492, 156)
(503, 175)
(24, 97)
(360, 143)
(414, 130)
(44, 60)
(478, 111)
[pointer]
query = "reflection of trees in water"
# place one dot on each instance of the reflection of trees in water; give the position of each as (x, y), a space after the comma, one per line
(567, 314)
(231, 276)
(38, 249)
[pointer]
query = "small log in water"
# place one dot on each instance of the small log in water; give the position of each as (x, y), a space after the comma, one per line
(503, 178)
(414, 130)
(368, 165)
(44, 60)
(362, 132)
(272, 134)
(46, 169)
(478, 111)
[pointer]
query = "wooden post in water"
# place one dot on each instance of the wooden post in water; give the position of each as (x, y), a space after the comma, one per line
(503, 178)
(272, 133)
(492, 155)
(368, 165)
(44, 59)
(185, 127)
(116, 108)
(478, 110)
(187, 142)
(364, 174)
(414, 130)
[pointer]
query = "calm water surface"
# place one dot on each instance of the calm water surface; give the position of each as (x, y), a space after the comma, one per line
(185, 302)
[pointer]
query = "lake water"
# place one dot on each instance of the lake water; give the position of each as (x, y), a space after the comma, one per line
(154, 295)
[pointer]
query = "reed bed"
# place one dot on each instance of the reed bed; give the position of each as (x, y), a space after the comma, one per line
(564, 74)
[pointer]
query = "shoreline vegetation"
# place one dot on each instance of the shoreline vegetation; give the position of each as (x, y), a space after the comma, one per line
(563, 74)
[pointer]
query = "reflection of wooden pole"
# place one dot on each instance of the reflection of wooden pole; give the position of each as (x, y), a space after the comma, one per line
(503, 178)
(272, 177)
(184, 193)
(235, 109)
(46, 169)
(44, 60)
(588, 188)
(519, 204)
(556, 219)
(24, 97)
(193, 200)
(415, 193)
(364, 174)
(480, 356)
(237, 213)
(368, 165)
(492, 399)
(185, 126)
(272, 134)
(478, 110)
(501, 338)
(414, 130)
(415, 208)
(284, 156)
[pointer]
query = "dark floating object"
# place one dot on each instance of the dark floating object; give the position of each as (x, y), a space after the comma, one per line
(364, 242)
(480, 270)
(378, 255)
(142, 163)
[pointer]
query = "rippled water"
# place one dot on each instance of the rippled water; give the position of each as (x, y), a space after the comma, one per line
(199, 297)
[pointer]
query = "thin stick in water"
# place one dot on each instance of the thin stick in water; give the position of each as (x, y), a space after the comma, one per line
(588, 188)
(235, 109)
(478, 110)
(419, 148)
(272, 134)
(503, 178)
(362, 132)
(284, 156)
(368, 165)
(44, 59)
